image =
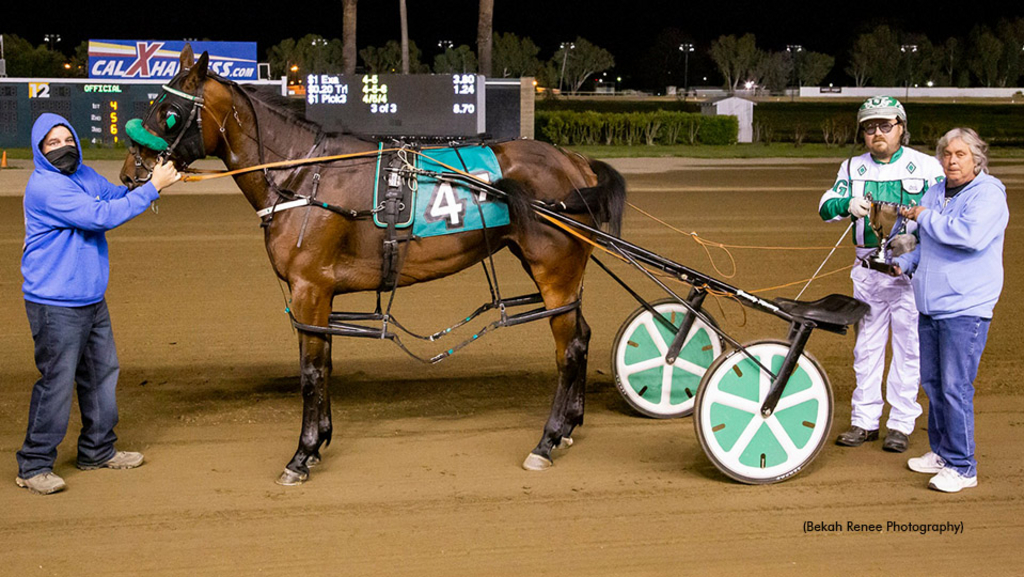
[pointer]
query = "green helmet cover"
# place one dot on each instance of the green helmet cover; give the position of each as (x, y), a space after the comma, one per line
(884, 107)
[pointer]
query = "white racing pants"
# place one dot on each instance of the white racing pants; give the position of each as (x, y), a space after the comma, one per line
(892, 307)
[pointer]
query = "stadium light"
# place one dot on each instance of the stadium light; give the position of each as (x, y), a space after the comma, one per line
(686, 48)
(565, 47)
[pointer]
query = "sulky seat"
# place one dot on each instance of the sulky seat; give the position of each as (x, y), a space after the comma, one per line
(830, 313)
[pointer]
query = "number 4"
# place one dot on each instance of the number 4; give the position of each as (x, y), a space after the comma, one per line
(445, 206)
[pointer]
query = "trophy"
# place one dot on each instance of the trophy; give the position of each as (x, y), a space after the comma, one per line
(888, 224)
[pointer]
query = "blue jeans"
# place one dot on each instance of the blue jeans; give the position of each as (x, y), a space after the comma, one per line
(72, 345)
(950, 352)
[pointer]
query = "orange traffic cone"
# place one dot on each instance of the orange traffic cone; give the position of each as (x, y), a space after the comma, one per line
(3, 160)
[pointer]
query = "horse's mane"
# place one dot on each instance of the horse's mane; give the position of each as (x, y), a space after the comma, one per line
(291, 110)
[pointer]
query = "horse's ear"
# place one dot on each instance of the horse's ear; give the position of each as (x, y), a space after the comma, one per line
(201, 66)
(187, 58)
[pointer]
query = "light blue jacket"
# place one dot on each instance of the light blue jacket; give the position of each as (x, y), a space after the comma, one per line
(958, 264)
(65, 258)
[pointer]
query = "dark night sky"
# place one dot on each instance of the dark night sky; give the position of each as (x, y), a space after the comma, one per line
(626, 29)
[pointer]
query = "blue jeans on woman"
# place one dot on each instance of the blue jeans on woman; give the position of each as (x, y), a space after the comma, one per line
(72, 345)
(950, 352)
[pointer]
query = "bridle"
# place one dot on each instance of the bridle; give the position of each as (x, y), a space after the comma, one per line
(187, 144)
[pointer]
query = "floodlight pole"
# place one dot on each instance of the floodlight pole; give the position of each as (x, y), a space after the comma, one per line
(686, 48)
(566, 47)
(909, 48)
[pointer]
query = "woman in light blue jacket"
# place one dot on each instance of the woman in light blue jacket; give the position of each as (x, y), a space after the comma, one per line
(958, 275)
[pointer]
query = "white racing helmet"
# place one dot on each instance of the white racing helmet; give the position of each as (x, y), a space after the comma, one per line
(881, 107)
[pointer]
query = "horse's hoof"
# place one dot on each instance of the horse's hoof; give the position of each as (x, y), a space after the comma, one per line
(565, 443)
(290, 478)
(537, 463)
(314, 460)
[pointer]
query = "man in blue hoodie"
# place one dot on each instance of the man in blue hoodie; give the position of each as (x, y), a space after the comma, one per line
(68, 208)
(958, 276)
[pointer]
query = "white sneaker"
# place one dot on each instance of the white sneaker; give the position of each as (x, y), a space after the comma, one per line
(949, 481)
(926, 463)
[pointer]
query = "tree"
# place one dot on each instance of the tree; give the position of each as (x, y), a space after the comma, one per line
(581, 60)
(1011, 34)
(485, 36)
(875, 58)
(735, 58)
(80, 61)
(403, 16)
(348, 36)
(282, 56)
(24, 60)
(388, 59)
(986, 52)
(952, 55)
(459, 60)
(515, 57)
(312, 54)
(773, 71)
(920, 61)
(814, 67)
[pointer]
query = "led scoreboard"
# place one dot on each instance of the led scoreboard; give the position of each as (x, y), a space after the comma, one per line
(439, 105)
(98, 110)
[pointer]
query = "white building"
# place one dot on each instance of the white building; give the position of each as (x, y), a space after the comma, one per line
(741, 108)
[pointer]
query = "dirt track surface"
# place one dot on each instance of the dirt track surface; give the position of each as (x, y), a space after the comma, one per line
(423, 476)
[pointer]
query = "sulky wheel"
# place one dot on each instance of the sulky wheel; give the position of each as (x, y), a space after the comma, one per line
(647, 383)
(734, 435)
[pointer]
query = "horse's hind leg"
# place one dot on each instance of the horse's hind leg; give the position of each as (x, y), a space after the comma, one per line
(572, 339)
(315, 370)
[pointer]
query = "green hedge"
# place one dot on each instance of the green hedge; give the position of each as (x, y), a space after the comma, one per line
(999, 124)
(807, 122)
(572, 128)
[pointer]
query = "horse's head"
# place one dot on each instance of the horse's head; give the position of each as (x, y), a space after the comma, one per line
(173, 128)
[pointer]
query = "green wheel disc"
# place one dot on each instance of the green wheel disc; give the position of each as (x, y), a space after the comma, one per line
(644, 379)
(738, 440)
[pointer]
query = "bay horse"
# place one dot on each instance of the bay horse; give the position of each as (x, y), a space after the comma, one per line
(200, 113)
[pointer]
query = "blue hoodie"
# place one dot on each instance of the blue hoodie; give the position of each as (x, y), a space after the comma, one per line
(65, 262)
(959, 261)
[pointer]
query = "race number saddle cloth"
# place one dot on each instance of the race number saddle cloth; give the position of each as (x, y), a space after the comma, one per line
(432, 207)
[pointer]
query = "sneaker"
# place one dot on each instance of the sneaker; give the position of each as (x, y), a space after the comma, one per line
(926, 463)
(856, 437)
(895, 442)
(949, 481)
(120, 460)
(43, 484)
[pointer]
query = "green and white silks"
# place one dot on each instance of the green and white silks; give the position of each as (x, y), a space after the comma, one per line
(904, 179)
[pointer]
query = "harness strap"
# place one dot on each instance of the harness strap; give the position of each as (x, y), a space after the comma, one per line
(283, 206)
(391, 206)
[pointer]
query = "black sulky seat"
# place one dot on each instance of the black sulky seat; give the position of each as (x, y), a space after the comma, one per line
(832, 313)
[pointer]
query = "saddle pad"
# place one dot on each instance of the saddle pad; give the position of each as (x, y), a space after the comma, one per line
(445, 209)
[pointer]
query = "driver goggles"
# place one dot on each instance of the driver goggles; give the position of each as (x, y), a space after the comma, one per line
(885, 127)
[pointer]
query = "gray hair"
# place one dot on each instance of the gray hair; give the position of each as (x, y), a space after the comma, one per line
(979, 148)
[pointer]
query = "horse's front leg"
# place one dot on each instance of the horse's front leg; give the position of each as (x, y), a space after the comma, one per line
(315, 371)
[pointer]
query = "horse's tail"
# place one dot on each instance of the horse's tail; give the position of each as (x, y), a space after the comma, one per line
(605, 202)
(520, 201)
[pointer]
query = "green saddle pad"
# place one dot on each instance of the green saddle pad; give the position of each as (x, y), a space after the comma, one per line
(443, 208)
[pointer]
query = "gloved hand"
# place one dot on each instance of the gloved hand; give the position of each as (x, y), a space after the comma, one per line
(859, 206)
(902, 244)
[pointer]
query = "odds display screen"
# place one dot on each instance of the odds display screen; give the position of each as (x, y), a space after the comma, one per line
(437, 105)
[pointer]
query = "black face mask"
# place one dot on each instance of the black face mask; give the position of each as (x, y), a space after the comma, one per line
(64, 159)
